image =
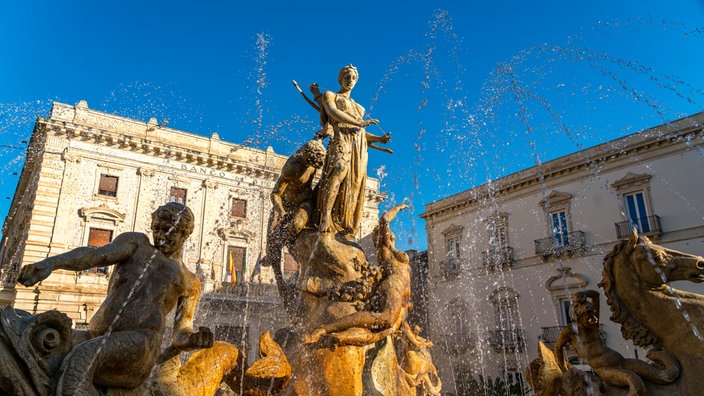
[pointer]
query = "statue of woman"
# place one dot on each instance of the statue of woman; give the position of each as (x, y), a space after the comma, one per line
(343, 183)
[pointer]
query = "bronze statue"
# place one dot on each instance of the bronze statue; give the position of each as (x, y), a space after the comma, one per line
(293, 194)
(123, 342)
(394, 294)
(342, 187)
(415, 360)
(635, 275)
(584, 335)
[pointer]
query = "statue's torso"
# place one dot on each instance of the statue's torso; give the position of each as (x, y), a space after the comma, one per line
(143, 289)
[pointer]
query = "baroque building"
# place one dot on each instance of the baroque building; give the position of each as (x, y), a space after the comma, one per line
(505, 257)
(90, 176)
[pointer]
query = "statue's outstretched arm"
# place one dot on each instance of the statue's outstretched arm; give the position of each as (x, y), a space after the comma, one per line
(83, 258)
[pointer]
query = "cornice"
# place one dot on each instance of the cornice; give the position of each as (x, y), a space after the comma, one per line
(598, 157)
(157, 149)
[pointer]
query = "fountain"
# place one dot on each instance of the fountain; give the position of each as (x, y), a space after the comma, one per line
(349, 315)
(506, 77)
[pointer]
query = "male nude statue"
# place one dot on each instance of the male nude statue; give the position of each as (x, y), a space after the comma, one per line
(124, 339)
(394, 290)
(584, 335)
(292, 195)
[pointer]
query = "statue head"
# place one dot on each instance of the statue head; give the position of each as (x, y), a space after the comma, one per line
(313, 153)
(583, 311)
(347, 77)
(172, 224)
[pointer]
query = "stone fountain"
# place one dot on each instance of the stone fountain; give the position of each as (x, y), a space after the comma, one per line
(349, 334)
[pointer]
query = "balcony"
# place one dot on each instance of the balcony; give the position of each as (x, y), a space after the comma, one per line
(498, 258)
(561, 245)
(549, 335)
(648, 226)
(451, 268)
(252, 292)
(507, 341)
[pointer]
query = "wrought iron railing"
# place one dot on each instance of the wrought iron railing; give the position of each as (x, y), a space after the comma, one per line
(549, 335)
(649, 226)
(451, 268)
(493, 259)
(563, 244)
(507, 340)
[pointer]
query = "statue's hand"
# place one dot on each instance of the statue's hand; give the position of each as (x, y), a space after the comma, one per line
(203, 338)
(34, 273)
(315, 89)
(366, 123)
(385, 138)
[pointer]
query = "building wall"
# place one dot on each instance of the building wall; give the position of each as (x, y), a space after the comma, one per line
(57, 202)
(590, 185)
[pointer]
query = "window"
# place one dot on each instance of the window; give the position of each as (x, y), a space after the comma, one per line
(636, 205)
(453, 248)
(636, 211)
(505, 301)
(108, 186)
(178, 195)
(497, 226)
(96, 238)
(238, 208)
(560, 233)
(458, 314)
(235, 264)
(564, 304)
(290, 267)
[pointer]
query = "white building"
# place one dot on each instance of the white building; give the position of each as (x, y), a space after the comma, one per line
(505, 257)
(90, 176)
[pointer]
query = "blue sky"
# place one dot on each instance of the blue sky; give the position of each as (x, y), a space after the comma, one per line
(469, 90)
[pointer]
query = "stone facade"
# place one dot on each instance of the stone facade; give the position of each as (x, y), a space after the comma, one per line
(505, 257)
(90, 176)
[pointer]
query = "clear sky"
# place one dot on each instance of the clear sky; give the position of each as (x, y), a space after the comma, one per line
(471, 90)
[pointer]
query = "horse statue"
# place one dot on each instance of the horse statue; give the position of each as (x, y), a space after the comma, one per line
(652, 313)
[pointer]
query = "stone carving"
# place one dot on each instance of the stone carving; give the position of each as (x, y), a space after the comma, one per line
(123, 343)
(548, 378)
(31, 350)
(390, 301)
(650, 312)
(584, 336)
(342, 186)
(270, 373)
(293, 203)
(417, 364)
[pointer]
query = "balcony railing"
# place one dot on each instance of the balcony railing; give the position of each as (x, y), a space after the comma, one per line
(494, 259)
(560, 245)
(649, 226)
(451, 268)
(507, 340)
(245, 291)
(549, 335)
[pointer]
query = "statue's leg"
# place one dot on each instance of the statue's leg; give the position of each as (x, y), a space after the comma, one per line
(621, 377)
(329, 190)
(121, 360)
